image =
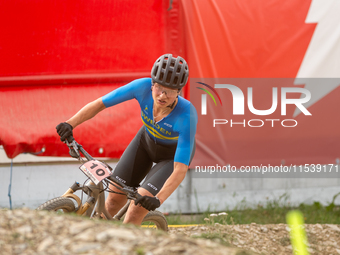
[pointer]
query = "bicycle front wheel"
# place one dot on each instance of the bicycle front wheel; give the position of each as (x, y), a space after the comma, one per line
(58, 204)
(155, 219)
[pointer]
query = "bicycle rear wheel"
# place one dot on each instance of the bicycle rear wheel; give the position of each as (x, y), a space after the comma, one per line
(58, 204)
(155, 219)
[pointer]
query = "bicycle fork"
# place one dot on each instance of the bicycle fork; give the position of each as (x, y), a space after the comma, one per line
(81, 208)
(95, 195)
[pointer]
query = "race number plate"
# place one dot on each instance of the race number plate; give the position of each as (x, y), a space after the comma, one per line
(95, 170)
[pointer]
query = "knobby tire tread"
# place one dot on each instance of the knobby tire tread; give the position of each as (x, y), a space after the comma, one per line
(58, 203)
(158, 218)
(67, 204)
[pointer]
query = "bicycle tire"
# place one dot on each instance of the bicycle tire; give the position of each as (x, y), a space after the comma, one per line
(58, 203)
(158, 219)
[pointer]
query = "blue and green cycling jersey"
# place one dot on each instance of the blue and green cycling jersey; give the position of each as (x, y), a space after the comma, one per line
(179, 127)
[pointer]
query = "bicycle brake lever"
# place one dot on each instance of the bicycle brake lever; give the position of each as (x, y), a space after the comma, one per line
(73, 148)
(131, 194)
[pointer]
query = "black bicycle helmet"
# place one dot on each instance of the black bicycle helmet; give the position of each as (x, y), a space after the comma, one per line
(170, 72)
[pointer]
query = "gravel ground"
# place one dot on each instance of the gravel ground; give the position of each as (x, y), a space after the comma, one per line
(40, 232)
(24, 231)
(269, 239)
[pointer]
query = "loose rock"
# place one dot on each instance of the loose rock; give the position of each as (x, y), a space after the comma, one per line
(28, 232)
(25, 231)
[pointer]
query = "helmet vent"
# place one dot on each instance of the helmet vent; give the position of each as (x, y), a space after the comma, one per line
(155, 71)
(168, 78)
(183, 77)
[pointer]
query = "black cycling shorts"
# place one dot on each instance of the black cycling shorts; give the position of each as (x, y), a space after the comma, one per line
(137, 163)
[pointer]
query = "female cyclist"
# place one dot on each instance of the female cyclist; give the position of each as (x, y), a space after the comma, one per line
(162, 149)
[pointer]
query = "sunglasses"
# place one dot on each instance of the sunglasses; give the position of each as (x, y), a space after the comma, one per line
(167, 92)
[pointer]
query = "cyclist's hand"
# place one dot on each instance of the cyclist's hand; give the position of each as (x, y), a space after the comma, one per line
(149, 203)
(64, 130)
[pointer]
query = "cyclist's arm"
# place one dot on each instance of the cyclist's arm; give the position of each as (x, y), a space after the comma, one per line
(87, 112)
(134, 89)
(185, 147)
(173, 181)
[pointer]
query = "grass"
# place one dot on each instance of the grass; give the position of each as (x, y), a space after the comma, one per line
(222, 238)
(140, 251)
(273, 212)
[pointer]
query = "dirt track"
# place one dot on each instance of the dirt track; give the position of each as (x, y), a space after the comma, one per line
(30, 232)
(269, 239)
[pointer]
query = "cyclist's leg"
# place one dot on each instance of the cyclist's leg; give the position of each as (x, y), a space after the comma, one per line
(155, 179)
(131, 170)
(135, 214)
(157, 176)
(115, 202)
(151, 186)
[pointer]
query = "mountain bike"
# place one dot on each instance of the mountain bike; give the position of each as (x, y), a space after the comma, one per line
(94, 187)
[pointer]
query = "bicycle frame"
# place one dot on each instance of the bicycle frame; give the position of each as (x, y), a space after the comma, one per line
(96, 196)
